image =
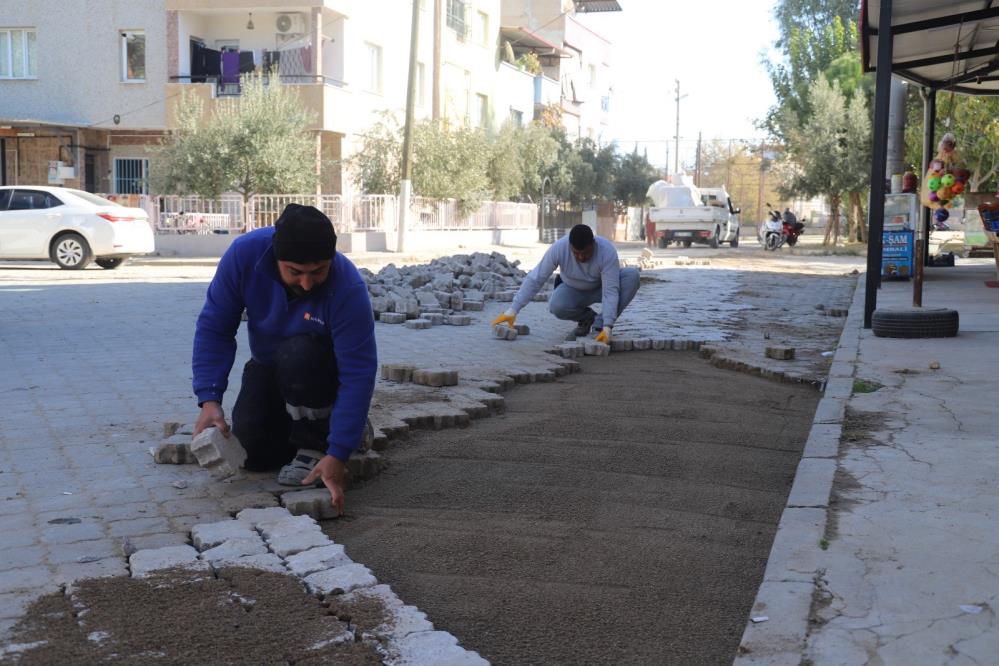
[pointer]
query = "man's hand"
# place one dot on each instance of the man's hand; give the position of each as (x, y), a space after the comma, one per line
(605, 335)
(507, 318)
(331, 471)
(211, 415)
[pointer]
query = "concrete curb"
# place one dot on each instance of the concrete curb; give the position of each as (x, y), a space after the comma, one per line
(777, 630)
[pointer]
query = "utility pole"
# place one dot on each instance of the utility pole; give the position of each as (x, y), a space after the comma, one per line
(405, 186)
(676, 137)
(435, 103)
(697, 162)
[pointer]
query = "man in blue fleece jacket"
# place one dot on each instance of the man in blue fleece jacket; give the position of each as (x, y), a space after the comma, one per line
(307, 389)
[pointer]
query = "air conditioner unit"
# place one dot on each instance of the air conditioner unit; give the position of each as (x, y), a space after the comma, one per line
(290, 24)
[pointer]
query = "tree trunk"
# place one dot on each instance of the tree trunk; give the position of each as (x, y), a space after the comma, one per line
(858, 202)
(832, 228)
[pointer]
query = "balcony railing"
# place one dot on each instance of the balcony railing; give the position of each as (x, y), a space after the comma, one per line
(225, 88)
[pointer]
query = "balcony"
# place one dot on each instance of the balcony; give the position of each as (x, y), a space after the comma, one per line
(299, 45)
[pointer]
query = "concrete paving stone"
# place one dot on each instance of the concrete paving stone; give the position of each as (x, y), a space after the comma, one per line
(812, 483)
(473, 306)
(150, 541)
(262, 561)
(26, 579)
(392, 317)
(242, 501)
(116, 497)
(183, 506)
(522, 329)
(23, 556)
(400, 621)
(221, 456)
(65, 533)
(431, 647)
(257, 517)
(340, 579)
(109, 567)
(596, 349)
(209, 535)
(641, 344)
(289, 544)
(13, 522)
(780, 640)
(12, 505)
(796, 554)
(138, 526)
(185, 524)
(435, 377)
(419, 324)
(144, 562)
(435, 318)
(458, 320)
(172, 453)
(235, 548)
(823, 441)
(839, 387)
(317, 559)
(314, 502)
(780, 352)
(830, 410)
(66, 553)
(504, 332)
(841, 369)
(126, 511)
(398, 372)
(286, 524)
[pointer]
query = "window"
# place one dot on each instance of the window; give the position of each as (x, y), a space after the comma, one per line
(18, 53)
(517, 117)
(593, 77)
(133, 55)
(483, 28)
(481, 110)
(32, 200)
(421, 84)
(374, 81)
(456, 16)
(4, 198)
(131, 176)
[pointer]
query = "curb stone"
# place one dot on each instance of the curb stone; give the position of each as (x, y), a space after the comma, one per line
(796, 557)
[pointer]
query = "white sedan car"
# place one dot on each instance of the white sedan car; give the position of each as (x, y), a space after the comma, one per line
(70, 227)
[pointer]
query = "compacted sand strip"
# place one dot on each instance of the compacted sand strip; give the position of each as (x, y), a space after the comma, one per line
(621, 515)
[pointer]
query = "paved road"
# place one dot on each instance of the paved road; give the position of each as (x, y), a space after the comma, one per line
(622, 515)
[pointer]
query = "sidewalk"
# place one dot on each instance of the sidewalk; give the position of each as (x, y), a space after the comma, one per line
(899, 565)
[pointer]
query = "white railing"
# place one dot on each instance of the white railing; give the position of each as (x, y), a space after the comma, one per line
(369, 212)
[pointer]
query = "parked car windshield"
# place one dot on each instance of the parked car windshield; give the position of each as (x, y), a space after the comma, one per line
(93, 198)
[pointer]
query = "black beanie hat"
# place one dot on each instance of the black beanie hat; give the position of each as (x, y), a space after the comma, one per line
(303, 235)
(581, 237)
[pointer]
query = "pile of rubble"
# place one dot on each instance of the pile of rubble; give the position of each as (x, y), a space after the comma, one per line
(431, 294)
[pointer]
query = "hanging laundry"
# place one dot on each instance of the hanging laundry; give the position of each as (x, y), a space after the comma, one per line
(230, 67)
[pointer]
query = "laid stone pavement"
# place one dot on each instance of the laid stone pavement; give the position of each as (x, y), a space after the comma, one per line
(94, 368)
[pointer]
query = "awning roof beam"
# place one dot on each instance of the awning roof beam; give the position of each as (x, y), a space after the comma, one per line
(941, 21)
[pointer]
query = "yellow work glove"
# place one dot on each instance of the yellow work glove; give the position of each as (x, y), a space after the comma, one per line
(507, 318)
(605, 335)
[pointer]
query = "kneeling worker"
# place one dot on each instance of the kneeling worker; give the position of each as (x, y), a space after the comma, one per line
(306, 391)
(589, 272)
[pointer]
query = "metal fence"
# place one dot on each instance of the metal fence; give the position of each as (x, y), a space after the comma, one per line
(370, 212)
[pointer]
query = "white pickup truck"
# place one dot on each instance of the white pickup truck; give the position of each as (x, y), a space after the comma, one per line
(685, 214)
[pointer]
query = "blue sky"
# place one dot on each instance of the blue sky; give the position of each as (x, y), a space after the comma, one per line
(712, 46)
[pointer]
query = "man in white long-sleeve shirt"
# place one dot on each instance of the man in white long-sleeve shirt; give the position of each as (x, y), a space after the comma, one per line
(589, 272)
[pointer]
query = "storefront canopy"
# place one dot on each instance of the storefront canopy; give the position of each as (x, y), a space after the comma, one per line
(938, 44)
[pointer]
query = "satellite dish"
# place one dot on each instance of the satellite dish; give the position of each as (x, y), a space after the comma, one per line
(283, 23)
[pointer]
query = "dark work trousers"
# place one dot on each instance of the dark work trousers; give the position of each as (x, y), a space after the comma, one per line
(286, 406)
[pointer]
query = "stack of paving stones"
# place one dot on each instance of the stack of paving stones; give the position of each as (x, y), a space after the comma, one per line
(435, 294)
(274, 539)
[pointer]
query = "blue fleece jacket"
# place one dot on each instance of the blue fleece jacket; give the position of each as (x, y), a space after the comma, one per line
(247, 277)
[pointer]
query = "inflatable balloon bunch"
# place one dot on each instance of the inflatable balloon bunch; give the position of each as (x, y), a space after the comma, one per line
(945, 181)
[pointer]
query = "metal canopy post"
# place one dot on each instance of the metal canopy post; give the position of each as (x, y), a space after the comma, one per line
(929, 138)
(879, 162)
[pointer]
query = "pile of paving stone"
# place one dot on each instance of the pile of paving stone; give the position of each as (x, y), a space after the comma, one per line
(437, 293)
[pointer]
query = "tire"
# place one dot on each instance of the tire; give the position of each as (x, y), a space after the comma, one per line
(687, 243)
(735, 241)
(661, 242)
(713, 242)
(71, 252)
(929, 323)
(771, 242)
(792, 241)
(110, 264)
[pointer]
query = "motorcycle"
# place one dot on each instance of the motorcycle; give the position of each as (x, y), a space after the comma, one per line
(775, 231)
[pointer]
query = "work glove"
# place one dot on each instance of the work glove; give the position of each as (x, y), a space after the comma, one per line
(507, 318)
(605, 335)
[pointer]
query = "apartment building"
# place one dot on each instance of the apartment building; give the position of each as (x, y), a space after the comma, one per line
(81, 91)
(84, 92)
(575, 60)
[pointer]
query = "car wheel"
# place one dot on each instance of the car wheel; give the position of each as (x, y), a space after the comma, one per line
(72, 252)
(735, 241)
(661, 242)
(110, 264)
(921, 323)
(687, 243)
(713, 242)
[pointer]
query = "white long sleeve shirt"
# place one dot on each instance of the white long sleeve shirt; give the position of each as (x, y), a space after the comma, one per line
(603, 270)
